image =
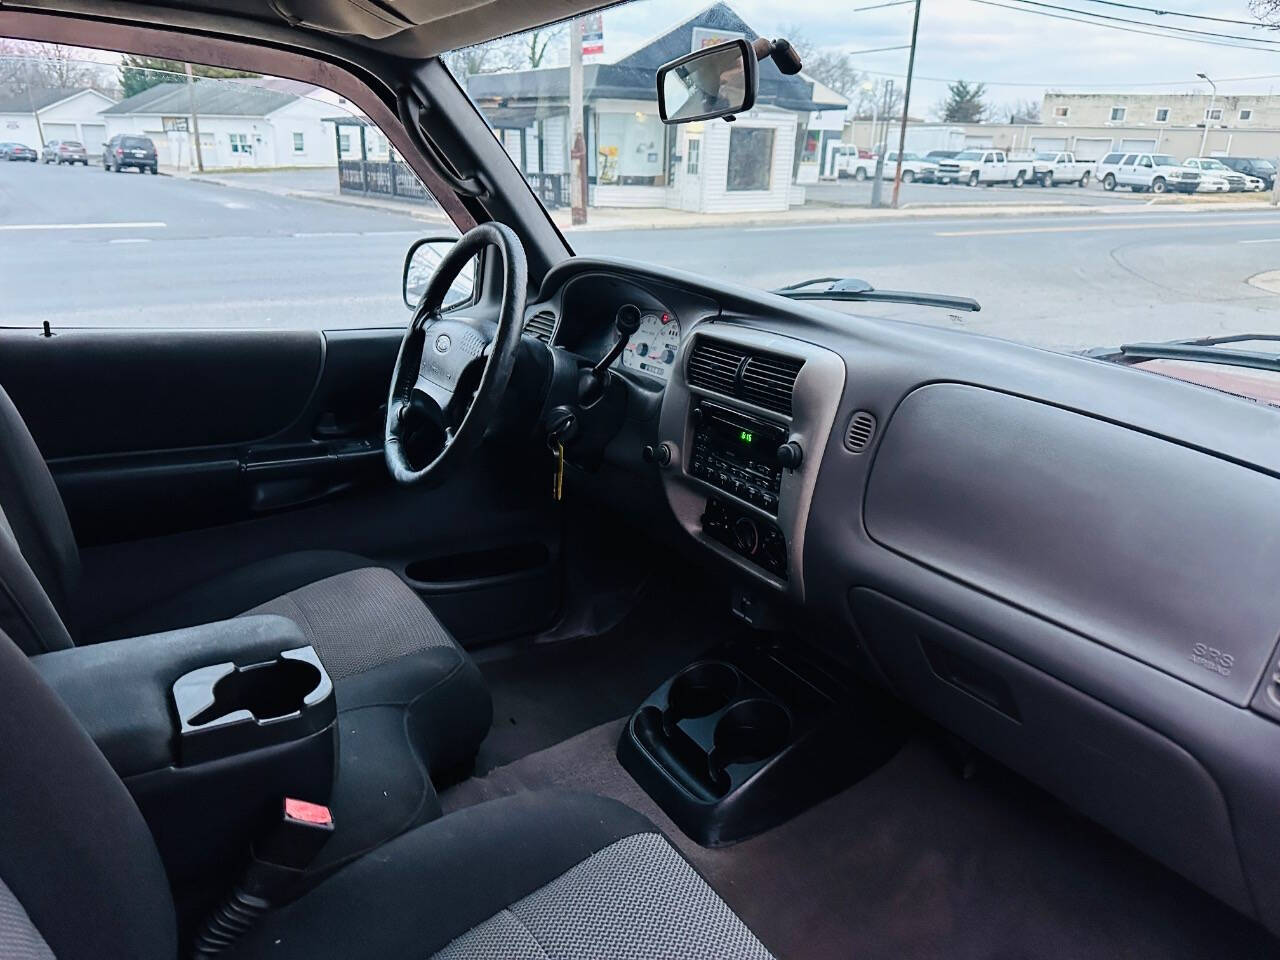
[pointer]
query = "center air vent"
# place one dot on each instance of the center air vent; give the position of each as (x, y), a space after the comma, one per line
(541, 325)
(862, 427)
(764, 379)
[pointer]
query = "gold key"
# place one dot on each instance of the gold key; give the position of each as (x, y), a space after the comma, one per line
(557, 488)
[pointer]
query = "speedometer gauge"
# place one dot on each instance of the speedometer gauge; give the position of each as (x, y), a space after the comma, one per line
(654, 346)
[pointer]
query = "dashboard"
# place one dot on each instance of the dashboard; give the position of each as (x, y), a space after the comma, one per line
(983, 527)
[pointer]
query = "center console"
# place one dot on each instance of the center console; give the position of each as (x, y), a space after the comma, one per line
(208, 727)
(745, 421)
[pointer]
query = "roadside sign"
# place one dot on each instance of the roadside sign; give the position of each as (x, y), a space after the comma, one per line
(174, 124)
(592, 35)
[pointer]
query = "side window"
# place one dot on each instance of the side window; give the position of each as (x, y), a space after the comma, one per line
(1129, 160)
(229, 233)
(1145, 162)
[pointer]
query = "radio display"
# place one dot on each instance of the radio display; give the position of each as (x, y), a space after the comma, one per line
(738, 453)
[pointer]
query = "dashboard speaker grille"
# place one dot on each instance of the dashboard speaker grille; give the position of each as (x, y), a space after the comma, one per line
(764, 379)
(541, 325)
(862, 427)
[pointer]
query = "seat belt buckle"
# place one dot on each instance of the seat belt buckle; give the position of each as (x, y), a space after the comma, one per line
(294, 841)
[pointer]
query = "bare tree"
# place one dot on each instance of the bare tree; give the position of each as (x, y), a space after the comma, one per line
(26, 65)
(830, 66)
(1268, 11)
(533, 46)
(875, 99)
(1017, 111)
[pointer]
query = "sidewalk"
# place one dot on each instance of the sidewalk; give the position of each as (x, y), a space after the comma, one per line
(313, 185)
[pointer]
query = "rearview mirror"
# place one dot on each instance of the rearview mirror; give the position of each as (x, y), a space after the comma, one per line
(718, 81)
(421, 262)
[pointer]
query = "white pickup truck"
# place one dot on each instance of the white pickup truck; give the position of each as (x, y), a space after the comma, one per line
(849, 163)
(1157, 172)
(1052, 169)
(984, 166)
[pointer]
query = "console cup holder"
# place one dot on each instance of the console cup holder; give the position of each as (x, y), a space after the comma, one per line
(225, 709)
(751, 731)
(266, 690)
(701, 690)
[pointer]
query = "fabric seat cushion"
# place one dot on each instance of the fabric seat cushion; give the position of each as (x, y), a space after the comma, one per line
(553, 876)
(360, 619)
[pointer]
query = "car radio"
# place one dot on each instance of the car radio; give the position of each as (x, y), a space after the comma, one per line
(737, 453)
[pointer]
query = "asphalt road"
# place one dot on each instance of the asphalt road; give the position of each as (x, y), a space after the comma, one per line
(82, 247)
(853, 193)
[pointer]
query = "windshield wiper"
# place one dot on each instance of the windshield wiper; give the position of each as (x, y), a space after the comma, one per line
(1208, 350)
(851, 289)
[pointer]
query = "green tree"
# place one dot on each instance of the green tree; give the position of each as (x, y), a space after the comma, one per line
(141, 73)
(964, 103)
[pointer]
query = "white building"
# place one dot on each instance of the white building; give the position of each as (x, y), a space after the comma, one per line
(36, 117)
(242, 124)
(756, 163)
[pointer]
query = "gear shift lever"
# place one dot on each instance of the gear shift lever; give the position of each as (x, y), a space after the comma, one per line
(626, 322)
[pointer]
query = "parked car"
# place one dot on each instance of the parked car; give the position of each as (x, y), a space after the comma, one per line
(1264, 170)
(127, 150)
(1212, 167)
(1104, 170)
(984, 166)
(914, 167)
(1052, 169)
(852, 162)
(1254, 184)
(16, 151)
(64, 151)
(1157, 172)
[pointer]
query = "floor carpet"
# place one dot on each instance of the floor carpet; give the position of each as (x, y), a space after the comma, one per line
(916, 863)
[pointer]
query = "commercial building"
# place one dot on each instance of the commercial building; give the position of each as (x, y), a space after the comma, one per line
(756, 163)
(1252, 111)
(35, 117)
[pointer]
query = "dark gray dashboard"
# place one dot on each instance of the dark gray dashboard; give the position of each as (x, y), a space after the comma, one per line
(1070, 564)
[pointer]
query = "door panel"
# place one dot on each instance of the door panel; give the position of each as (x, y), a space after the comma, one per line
(185, 454)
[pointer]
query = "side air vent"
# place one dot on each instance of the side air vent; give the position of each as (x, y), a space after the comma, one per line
(541, 325)
(862, 427)
(764, 379)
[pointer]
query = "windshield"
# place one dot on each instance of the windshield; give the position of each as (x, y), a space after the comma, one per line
(1264, 166)
(1047, 156)
(969, 155)
(1212, 165)
(1164, 160)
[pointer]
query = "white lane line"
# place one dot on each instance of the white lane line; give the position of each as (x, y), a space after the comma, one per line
(326, 233)
(1267, 240)
(123, 225)
(130, 240)
(1148, 225)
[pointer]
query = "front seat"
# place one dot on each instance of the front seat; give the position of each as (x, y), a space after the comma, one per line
(546, 876)
(411, 699)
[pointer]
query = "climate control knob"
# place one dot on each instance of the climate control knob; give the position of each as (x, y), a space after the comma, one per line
(746, 536)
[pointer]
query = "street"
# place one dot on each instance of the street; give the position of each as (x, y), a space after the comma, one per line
(85, 248)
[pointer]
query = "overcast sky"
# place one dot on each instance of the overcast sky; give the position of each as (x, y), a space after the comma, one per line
(1017, 54)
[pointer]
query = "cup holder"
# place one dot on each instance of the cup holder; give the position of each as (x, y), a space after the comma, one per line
(701, 690)
(751, 731)
(266, 690)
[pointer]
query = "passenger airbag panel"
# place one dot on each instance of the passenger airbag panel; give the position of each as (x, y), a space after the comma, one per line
(1161, 552)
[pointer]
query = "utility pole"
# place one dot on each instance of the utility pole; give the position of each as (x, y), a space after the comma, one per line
(578, 150)
(906, 105)
(880, 137)
(1212, 100)
(195, 119)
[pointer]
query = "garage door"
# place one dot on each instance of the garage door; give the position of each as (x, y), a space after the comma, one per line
(1137, 146)
(1092, 148)
(94, 136)
(1048, 144)
(59, 131)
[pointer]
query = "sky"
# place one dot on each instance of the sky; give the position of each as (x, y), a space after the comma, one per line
(1016, 53)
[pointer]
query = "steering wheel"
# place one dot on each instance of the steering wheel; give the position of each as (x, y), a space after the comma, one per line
(452, 371)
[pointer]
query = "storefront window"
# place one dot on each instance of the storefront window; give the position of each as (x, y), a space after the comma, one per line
(750, 158)
(629, 148)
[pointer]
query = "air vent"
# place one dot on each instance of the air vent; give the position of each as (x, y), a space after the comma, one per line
(541, 325)
(862, 427)
(764, 379)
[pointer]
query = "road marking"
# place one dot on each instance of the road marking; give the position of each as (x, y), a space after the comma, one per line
(1148, 225)
(130, 240)
(124, 225)
(1267, 240)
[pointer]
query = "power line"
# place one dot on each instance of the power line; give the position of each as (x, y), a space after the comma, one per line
(1178, 13)
(1144, 23)
(905, 46)
(881, 6)
(1111, 26)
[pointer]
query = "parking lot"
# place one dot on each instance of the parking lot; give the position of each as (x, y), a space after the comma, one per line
(82, 247)
(855, 193)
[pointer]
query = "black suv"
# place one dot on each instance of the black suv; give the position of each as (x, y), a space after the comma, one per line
(125, 150)
(1264, 170)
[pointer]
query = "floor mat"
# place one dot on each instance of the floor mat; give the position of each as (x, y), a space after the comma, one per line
(550, 692)
(915, 862)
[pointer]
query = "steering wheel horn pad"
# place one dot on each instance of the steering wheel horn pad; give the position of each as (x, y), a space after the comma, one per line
(438, 350)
